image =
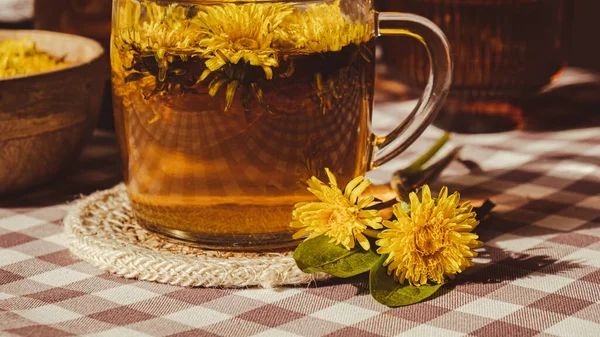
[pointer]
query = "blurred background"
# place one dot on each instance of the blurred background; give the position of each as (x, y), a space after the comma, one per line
(585, 47)
(519, 64)
(510, 57)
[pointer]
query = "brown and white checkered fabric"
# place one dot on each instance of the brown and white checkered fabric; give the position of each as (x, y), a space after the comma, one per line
(538, 274)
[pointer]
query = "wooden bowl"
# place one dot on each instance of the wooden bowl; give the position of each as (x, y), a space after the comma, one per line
(47, 118)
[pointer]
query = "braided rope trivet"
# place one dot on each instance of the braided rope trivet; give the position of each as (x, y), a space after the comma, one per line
(102, 230)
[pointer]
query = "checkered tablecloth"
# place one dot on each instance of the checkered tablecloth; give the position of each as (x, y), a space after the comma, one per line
(538, 274)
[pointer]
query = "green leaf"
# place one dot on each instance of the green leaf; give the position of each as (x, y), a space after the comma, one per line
(318, 255)
(387, 291)
(418, 164)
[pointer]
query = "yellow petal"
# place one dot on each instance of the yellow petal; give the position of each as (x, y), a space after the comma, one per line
(215, 63)
(365, 202)
(268, 72)
(363, 241)
(399, 212)
(443, 193)
(352, 185)
(314, 235)
(300, 234)
(426, 194)
(315, 184)
(204, 75)
(375, 223)
(368, 214)
(215, 85)
(414, 202)
(391, 224)
(359, 190)
(331, 176)
(235, 58)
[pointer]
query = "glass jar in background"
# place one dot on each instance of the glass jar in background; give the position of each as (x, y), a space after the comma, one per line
(504, 51)
(89, 18)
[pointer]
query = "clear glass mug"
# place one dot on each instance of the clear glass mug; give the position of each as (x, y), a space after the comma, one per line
(225, 108)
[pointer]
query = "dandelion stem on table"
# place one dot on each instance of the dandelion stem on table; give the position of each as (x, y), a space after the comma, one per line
(418, 164)
(383, 205)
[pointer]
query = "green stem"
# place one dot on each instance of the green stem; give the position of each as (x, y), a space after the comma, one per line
(371, 233)
(417, 165)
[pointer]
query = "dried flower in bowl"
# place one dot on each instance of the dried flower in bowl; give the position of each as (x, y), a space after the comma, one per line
(22, 57)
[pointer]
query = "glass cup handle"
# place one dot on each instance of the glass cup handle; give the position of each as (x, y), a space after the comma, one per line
(438, 85)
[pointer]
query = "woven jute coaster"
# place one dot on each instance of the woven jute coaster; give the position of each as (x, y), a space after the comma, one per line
(102, 230)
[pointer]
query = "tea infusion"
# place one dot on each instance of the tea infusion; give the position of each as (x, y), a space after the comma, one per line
(225, 110)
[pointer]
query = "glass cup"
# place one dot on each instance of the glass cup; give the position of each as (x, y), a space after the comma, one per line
(225, 108)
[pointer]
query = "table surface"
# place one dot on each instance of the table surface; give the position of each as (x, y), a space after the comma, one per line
(538, 273)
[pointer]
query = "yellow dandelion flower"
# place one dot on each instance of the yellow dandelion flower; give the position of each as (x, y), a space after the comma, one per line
(162, 31)
(245, 32)
(433, 242)
(322, 28)
(228, 41)
(158, 39)
(163, 28)
(339, 215)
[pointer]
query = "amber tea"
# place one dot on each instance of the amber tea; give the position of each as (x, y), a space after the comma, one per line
(224, 110)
